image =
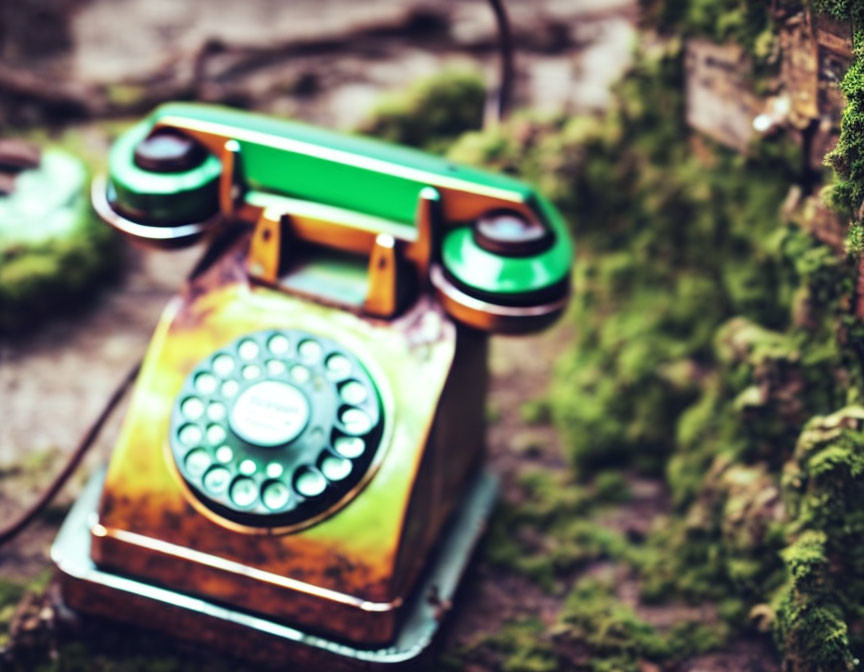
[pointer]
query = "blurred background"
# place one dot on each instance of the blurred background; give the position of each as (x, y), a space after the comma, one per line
(682, 455)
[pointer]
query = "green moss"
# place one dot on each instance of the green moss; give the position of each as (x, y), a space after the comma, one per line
(855, 240)
(843, 10)
(10, 594)
(810, 624)
(536, 412)
(35, 281)
(744, 21)
(41, 274)
(594, 631)
(432, 113)
(594, 617)
(847, 158)
(611, 486)
(650, 292)
(524, 647)
(819, 617)
(551, 533)
(709, 331)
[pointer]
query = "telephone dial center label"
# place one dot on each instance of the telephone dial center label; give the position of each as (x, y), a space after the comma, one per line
(270, 413)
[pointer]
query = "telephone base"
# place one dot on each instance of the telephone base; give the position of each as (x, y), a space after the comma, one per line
(87, 589)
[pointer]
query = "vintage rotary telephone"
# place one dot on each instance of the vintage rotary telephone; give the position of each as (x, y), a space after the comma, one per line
(301, 460)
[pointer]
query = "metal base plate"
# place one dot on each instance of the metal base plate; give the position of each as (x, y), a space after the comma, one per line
(88, 589)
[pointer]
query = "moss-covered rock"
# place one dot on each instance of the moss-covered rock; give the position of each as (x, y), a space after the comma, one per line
(53, 248)
(819, 614)
(711, 327)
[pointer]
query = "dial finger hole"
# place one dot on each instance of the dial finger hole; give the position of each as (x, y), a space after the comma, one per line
(275, 495)
(216, 480)
(197, 461)
(251, 371)
(248, 349)
(356, 421)
(248, 467)
(244, 492)
(189, 435)
(278, 344)
(310, 483)
(300, 374)
(335, 468)
(223, 365)
(350, 446)
(215, 435)
(310, 350)
(275, 367)
(338, 365)
(224, 454)
(192, 408)
(216, 411)
(206, 383)
(353, 392)
(274, 470)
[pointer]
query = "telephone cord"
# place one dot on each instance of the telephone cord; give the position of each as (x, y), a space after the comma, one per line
(18, 525)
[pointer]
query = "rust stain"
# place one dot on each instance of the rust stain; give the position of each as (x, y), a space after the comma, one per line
(374, 549)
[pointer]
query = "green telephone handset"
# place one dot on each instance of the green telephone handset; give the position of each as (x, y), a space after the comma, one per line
(496, 252)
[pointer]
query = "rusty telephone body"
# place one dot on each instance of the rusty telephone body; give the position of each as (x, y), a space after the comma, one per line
(299, 473)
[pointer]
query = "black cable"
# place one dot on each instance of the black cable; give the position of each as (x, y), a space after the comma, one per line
(19, 524)
(504, 94)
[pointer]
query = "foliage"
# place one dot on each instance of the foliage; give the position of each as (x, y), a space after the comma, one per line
(560, 508)
(842, 10)
(743, 21)
(710, 330)
(594, 632)
(618, 639)
(432, 113)
(847, 158)
(819, 614)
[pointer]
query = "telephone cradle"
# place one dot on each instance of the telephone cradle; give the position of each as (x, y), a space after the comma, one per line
(299, 474)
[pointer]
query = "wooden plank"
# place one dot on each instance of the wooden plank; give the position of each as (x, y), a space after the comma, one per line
(720, 102)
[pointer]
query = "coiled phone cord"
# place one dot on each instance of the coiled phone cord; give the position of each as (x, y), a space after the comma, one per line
(19, 524)
(500, 103)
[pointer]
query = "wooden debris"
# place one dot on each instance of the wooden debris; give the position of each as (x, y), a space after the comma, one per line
(799, 71)
(720, 102)
(824, 224)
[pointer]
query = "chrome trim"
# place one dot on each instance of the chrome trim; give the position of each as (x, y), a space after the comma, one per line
(71, 553)
(233, 567)
(156, 234)
(452, 292)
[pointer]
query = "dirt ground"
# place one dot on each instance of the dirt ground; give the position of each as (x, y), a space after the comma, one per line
(53, 382)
